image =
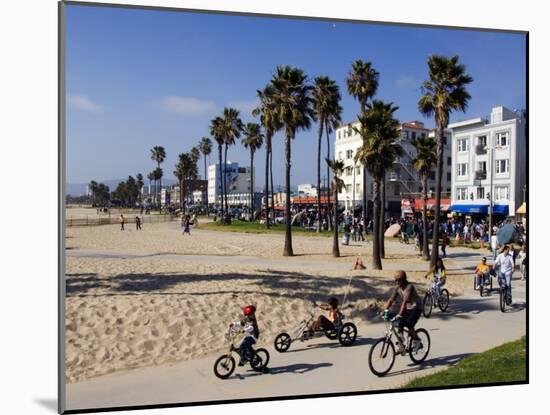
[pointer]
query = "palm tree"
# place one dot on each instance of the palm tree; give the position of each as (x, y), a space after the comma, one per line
(271, 124)
(426, 159)
(232, 127)
(326, 98)
(362, 82)
(378, 129)
(151, 177)
(195, 154)
(179, 172)
(216, 130)
(337, 167)
(292, 107)
(444, 93)
(158, 154)
(93, 190)
(253, 140)
(139, 184)
(205, 147)
(157, 176)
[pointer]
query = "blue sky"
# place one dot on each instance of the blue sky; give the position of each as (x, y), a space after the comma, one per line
(139, 78)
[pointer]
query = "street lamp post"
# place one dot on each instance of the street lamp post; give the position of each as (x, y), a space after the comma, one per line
(491, 196)
(353, 191)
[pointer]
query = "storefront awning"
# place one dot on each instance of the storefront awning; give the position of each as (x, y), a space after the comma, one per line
(522, 210)
(480, 209)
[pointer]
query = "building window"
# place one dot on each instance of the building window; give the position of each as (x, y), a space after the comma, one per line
(502, 166)
(462, 170)
(432, 175)
(339, 155)
(405, 135)
(448, 176)
(482, 141)
(462, 145)
(480, 193)
(502, 139)
(482, 166)
(348, 188)
(449, 161)
(358, 171)
(448, 192)
(461, 193)
(349, 170)
(501, 193)
(349, 154)
(444, 140)
(413, 135)
(357, 188)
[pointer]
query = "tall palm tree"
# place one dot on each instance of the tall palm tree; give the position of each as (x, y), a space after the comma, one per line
(253, 140)
(216, 130)
(157, 175)
(444, 93)
(158, 154)
(378, 129)
(232, 127)
(293, 108)
(271, 125)
(337, 167)
(139, 184)
(425, 161)
(326, 106)
(179, 172)
(362, 83)
(195, 154)
(205, 147)
(151, 177)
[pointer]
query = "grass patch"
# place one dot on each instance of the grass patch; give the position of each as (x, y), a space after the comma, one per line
(505, 363)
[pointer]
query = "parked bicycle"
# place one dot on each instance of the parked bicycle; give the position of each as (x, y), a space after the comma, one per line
(382, 353)
(346, 333)
(225, 364)
(435, 296)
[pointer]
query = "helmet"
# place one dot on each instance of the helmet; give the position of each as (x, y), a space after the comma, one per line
(249, 309)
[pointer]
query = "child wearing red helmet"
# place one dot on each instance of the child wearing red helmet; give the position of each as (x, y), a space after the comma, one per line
(249, 326)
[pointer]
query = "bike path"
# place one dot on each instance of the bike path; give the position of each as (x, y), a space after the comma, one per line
(471, 325)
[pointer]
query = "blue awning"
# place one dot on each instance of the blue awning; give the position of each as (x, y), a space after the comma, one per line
(479, 209)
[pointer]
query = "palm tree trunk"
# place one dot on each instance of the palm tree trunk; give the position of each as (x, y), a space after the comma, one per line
(287, 251)
(328, 181)
(251, 210)
(437, 208)
(320, 136)
(376, 260)
(181, 194)
(335, 246)
(382, 216)
(271, 179)
(365, 214)
(425, 251)
(267, 150)
(160, 190)
(206, 178)
(221, 178)
(225, 179)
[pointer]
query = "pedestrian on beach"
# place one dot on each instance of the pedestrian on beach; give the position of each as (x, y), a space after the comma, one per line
(186, 225)
(121, 220)
(444, 243)
(138, 223)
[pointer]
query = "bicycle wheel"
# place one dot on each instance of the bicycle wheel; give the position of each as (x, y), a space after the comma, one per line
(427, 305)
(420, 355)
(224, 366)
(347, 334)
(381, 357)
(256, 362)
(282, 342)
(264, 354)
(475, 281)
(331, 334)
(502, 299)
(443, 300)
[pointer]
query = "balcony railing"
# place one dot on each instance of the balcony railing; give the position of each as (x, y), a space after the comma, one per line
(481, 175)
(481, 149)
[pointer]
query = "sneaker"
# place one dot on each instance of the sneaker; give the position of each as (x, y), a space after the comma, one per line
(400, 348)
(241, 362)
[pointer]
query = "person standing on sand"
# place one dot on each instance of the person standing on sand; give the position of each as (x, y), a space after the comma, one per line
(138, 223)
(121, 220)
(186, 227)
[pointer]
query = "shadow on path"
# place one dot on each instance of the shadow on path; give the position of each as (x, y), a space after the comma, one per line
(431, 363)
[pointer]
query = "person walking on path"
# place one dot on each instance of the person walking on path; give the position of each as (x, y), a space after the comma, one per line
(121, 220)
(186, 225)
(505, 263)
(138, 223)
(444, 243)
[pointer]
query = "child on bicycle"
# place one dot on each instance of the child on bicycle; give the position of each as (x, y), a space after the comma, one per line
(248, 326)
(327, 323)
(439, 274)
(410, 309)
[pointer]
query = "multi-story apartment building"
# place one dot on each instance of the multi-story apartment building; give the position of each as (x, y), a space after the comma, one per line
(402, 181)
(238, 181)
(489, 163)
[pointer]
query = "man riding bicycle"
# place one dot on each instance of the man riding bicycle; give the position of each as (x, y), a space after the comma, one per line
(505, 263)
(410, 309)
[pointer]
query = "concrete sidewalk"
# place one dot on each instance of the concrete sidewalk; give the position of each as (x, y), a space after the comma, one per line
(471, 325)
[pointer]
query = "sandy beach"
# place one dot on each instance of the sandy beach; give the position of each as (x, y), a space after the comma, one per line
(137, 299)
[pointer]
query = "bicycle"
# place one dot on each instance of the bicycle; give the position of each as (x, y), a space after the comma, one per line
(346, 333)
(486, 285)
(505, 293)
(225, 364)
(440, 297)
(382, 353)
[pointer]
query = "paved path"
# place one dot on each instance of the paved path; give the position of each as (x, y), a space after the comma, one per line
(470, 325)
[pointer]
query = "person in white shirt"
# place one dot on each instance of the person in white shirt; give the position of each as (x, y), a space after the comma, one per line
(494, 245)
(505, 263)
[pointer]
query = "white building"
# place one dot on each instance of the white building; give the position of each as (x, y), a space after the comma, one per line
(489, 163)
(237, 181)
(307, 189)
(401, 182)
